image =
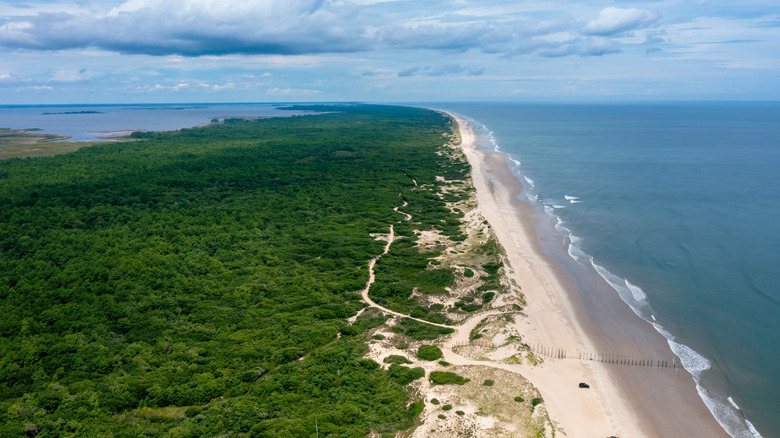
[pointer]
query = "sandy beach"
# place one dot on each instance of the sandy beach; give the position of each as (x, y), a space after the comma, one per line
(623, 400)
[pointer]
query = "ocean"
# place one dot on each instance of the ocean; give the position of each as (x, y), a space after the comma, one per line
(676, 206)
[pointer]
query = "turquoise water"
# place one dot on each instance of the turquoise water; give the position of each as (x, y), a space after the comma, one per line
(677, 206)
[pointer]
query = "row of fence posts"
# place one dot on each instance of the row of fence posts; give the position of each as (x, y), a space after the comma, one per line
(559, 353)
(617, 359)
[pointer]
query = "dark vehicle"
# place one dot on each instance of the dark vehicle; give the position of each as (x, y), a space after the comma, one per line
(584, 385)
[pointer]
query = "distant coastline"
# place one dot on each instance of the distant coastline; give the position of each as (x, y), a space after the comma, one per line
(72, 112)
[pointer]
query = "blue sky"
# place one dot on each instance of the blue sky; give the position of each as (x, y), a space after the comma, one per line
(387, 51)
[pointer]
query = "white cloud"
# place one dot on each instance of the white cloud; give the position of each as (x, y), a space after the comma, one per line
(4, 76)
(70, 75)
(612, 20)
(292, 92)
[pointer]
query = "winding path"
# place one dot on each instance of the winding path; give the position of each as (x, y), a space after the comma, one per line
(462, 331)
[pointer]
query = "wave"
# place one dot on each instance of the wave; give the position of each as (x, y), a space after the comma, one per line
(572, 199)
(529, 181)
(516, 162)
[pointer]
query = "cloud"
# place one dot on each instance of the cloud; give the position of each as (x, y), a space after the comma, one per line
(4, 76)
(611, 21)
(296, 31)
(195, 28)
(457, 37)
(70, 75)
(439, 70)
(292, 92)
(590, 46)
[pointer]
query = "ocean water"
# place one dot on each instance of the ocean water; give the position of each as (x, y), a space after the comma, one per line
(677, 207)
(88, 119)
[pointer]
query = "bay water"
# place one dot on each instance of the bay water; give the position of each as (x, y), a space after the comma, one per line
(90, 122)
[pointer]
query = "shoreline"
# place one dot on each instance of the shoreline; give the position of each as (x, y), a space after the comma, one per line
(565, 313)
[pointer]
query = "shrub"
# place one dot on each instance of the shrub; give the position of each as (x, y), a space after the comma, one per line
(461, 413)
(519, 399)
(378, 337)
(396, 359)
(488, 297)
(492, 268)
(435, 401)
(429, 352)
(536, 401)
(442, 416)
(446, 407)
(405, 375)
(488, 382)
(416, 408)
(468, 273)
(446, 378)
(444, 363)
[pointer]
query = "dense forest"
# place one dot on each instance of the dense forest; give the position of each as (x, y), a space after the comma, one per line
(198, 282)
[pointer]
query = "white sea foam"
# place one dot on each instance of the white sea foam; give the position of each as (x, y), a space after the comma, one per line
(560, 227)
(572, 199)
(637, 292)
(558, 206)
(726, 412)
(517, 162)
(638, 304)
(730, 418)
(577, 254)
(529, 181)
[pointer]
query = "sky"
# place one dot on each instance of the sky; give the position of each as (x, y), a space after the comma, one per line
(150, 51)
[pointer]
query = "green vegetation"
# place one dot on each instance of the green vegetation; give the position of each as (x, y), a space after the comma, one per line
(446, 378)
(406, 271)
(488, 382)
(519, 399)
(419, 331)
(446, 407)
(429, 352)
(536, 401)
(405, 375)
(396, 359)
(461, 413)
(444, 363)
(196, 283)
(442, 416)
(434, 401)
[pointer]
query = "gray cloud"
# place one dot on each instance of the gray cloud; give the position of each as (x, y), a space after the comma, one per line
(296, 27)
(195, 28)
